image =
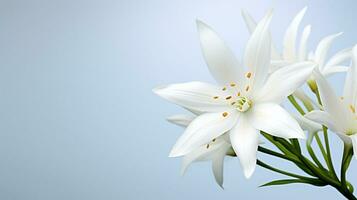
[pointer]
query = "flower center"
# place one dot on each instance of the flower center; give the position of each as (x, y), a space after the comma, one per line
(243, 104)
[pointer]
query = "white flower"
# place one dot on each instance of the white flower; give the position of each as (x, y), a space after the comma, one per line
(214, 151)
(339, 114)
(291, 53)
(247, 100)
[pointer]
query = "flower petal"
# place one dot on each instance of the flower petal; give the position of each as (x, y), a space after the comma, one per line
(303, 43)
(339, 57)
(245, 141)
(307, 124)
(196, 96)
(284, 82)
(331, 103)
(217, 163)
(350, 90)
(289, 50)
(324, 118)
(203, 129)
(181, 120)
(354, 144)
(221, 62)
(202, 153)
(322, 49)
(273, 119)
(257, 53)
(333, 70)
(251, 25)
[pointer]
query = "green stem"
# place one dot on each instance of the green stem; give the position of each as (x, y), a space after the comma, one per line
(346, 159)
(296, 104)
(264, 165)
(311, 151)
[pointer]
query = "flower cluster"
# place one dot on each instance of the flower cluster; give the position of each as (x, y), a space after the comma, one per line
(228, 118)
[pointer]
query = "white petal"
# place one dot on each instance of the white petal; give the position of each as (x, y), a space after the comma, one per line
(202, 153)
(339, 57)
(300, 94)
(181, 120)
(284, 82)
(333, 70)
(203, 129)
(289, 50)
(245, 141)
(273, 119)
(324, 118)
(221, 62)
(257, 53)
(249, 21)
(217, 163)
(251, 25)
(307, 124)
(322, 49)
(354, 144)
(350, 89)
(303, 43)
(331, 103)
(194, 95)
(277, 64)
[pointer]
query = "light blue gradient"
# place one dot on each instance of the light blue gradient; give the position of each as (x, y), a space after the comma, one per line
(78, 117)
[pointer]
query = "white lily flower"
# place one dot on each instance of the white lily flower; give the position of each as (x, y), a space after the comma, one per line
(215, 151)
(291, 53)
(339, 114)
(247, 100)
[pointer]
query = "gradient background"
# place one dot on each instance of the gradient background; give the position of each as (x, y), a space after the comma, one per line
(79, 120)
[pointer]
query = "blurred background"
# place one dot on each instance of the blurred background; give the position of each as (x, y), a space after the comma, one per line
(78, 119)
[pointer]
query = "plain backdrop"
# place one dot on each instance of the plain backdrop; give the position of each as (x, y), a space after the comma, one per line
(78, 119)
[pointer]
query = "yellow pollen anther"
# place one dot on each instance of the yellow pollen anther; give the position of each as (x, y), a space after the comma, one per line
(229, 97)
(233, 103)
(238, 94)
(352, 108)
(233, 84)
(342, 98)
(214, 140)
(248, 75)
(224, 89)
(215, 97)
(225, 114)
(247, 88)
(207, 146)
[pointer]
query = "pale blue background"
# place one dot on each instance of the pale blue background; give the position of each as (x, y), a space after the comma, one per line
(78, 119)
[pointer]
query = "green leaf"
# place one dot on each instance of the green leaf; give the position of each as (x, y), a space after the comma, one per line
(315, 182)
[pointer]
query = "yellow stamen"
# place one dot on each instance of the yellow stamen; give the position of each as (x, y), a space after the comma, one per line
(215, 97)
(233, 84)
(352, 108)
(225, 114)
(248, 75)
(247, 88)
(224, 89)
(229, 97)
(207, 146)
(238, 94)
(214, 140)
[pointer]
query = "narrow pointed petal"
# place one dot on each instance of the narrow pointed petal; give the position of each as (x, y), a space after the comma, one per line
(251, 25)
(339, 57)
(307, 124)
(257, 53)
(203, 129)
(322, 49)
(284, 82)
(328, 71)
(354, 144)
(273, 119)
(221, 62)
(350, 90)
(249, 21)
(194, 95)
(289, 49)
(245, 141)
(324, 118)
(331, 103)
(277, 64)
(218, 162)
(302, 56)
(202, 153)
(181, 120)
